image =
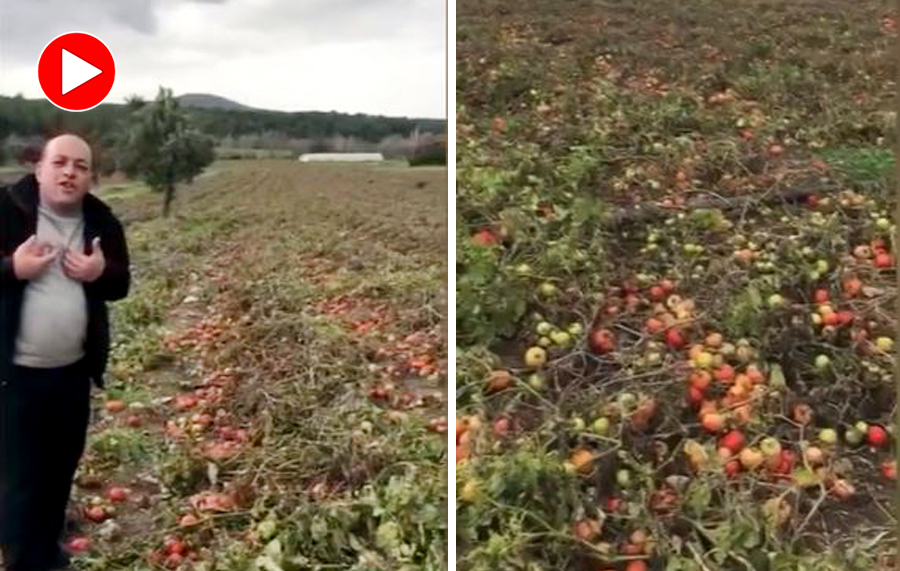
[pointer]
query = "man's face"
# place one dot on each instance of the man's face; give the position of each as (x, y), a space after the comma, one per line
(64, 172)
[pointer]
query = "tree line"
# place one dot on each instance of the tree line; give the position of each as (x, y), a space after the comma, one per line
(27, 118)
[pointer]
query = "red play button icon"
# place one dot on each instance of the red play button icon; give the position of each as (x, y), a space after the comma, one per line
(76, 71)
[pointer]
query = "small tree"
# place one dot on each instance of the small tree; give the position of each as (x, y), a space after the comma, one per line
(162, 148)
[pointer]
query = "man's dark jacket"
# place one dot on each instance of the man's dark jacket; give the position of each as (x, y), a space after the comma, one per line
(18, 221)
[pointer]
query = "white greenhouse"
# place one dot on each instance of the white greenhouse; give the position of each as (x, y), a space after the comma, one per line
(341, 157)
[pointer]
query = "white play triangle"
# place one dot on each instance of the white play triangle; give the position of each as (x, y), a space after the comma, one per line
(76, 71)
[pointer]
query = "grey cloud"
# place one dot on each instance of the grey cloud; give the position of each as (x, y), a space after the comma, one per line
(136, 14)
(210, 44)
(320, 21)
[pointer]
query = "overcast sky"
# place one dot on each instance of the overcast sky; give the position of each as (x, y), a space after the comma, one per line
(356, 56)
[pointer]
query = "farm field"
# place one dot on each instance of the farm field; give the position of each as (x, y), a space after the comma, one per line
(277, 393)
(676, 289)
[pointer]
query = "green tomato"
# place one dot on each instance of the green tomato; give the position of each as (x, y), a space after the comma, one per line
(548, 289)
(544, 328)
(561, 338)
(853, 436)
(776, 301)
(627, 401)
(537, 381)
(601, 426)
(828, 436)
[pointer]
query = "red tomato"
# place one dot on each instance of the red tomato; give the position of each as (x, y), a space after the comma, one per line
(734, 441)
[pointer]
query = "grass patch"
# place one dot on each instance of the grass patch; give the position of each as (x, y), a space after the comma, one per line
(864, 168)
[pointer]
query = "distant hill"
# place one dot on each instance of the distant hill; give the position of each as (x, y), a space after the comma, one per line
(208, 101)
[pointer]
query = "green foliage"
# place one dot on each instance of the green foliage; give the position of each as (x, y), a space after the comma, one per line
(864, 168)
(162, 148)
(489, 301)
(120, 446)
(398, 524)
(512, 507)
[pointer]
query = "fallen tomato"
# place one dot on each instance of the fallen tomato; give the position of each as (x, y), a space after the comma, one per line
(602, 341)
(713, 422)
(675, 339)
(115, 406)
(876, 436)
(188, 520)
(96, 514)
(185, 402)
(174, 546)
(501, 427)
(732, 468)
(734, 441)
(78, 544)
(884, 260)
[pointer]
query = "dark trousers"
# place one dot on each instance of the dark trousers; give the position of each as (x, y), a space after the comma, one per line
(44, 415)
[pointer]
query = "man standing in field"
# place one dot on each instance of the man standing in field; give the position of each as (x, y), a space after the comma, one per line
(64, 255)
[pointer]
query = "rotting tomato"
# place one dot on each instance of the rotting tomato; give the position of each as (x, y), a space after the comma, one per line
(675, 339)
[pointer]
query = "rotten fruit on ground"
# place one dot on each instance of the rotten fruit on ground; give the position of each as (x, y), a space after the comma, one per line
(582, 459)
(751, 458)
(115, 406)
(499, 380)
(734, 441)
(535, 357)
(843, 489)
(602, 341)
(884, 344)
(96, 513)
(78, 544)
(713, 422)
(586, 529)
(643, 415)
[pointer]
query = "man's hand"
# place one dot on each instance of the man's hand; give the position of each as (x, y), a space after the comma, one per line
(83, 268)
(31, 258)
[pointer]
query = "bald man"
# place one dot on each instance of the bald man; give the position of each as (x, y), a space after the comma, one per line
(64, 256)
